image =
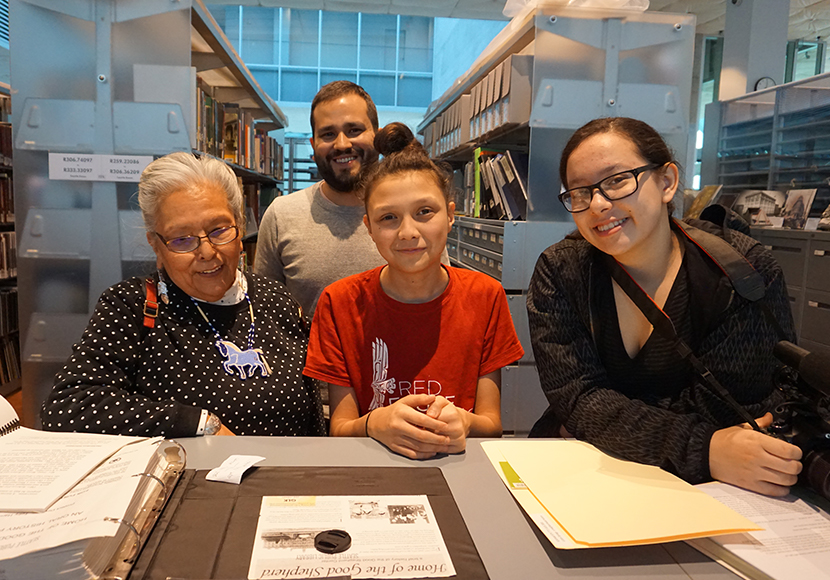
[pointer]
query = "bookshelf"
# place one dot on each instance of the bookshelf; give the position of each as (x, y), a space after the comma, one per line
(9, 330)
(543, 77)
(772, 139)
(111, 78)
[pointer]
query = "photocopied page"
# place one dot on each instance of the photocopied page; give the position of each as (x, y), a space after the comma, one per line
(81, 513)
(40, 466)
(603, 501)
(794, 545)
(391, 537)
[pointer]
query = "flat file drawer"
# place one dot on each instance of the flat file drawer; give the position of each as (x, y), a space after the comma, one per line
(482, 235)
(818, 266)
(815, 321)
(796, 296)
(791, 255)
(481, 260)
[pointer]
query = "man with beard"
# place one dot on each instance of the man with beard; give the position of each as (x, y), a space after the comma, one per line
(315, 236)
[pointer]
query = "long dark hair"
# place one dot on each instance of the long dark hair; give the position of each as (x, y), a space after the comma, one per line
(403, 153)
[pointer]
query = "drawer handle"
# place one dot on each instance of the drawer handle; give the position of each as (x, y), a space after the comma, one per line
(818, 252)
(816, 304)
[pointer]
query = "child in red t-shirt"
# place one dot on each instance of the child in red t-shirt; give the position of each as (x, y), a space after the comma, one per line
(413, 350)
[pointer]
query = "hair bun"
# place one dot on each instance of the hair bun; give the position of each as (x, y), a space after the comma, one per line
(392, 138)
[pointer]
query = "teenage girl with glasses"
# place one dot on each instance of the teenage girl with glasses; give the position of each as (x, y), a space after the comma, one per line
(413, 350)
(613, 381)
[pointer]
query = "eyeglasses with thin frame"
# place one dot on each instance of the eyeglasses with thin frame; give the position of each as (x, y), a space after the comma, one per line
(612, 188)
(185, 244)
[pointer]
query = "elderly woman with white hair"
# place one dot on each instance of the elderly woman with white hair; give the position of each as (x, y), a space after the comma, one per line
(198, 348)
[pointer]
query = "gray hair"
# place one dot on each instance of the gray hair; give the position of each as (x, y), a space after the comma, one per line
(184, 171)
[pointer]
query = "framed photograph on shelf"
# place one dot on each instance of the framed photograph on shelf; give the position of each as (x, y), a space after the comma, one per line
(707, 196)
(756, 206)
(797, 208)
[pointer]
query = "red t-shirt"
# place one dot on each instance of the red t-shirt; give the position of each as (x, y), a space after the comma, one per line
(385, 349)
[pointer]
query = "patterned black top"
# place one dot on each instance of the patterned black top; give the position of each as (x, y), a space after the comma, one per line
(672, 428)
(125, 378)
(657, 371)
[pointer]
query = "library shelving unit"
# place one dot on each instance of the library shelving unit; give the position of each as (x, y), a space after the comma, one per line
(99, 78)
(778, 139)
(9, 333)
(545, 76)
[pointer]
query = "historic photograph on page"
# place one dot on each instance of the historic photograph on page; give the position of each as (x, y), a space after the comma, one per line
(370, 537)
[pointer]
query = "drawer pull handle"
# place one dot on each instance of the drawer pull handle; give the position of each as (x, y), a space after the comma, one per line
(818, 252)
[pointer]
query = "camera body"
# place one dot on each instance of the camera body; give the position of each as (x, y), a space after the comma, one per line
(804, 421)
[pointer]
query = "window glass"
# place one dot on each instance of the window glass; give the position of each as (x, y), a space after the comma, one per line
(339, 40)
(806, 61)
(381, 87)
(298, 85)
(327, 77)
(414, 91)
(299, 37)
(227, 17)
(259, 34)
(415, 52)
(377, 41)
(267, 79)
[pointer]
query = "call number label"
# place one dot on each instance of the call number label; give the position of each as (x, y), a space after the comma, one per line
(73, 167)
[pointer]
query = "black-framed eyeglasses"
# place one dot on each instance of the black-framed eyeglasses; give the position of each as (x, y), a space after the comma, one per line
(612, 188)
(185, 244)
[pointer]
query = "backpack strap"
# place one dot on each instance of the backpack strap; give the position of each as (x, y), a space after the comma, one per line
(151, 305)
(746, 281)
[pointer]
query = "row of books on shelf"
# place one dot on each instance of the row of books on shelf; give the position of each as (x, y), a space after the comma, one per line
(9, 359)
(6, 144)
(8, 311)
(8, 255)
(6, 200)
(229, 132)
(495, 185)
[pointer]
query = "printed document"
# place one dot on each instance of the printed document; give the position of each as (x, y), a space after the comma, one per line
(38, 467)
(794, 545)
(81, 513)
(391, 537)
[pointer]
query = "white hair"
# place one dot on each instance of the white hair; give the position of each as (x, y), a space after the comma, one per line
(182, 171)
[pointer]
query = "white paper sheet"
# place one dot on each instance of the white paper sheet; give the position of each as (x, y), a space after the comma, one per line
(80, 514)
(795, 544)
(392, 537)
(40, 466)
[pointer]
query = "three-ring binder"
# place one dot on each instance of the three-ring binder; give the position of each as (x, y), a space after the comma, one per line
(141, 521)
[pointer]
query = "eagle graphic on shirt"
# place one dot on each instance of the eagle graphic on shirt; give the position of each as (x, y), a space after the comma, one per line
(380, 384)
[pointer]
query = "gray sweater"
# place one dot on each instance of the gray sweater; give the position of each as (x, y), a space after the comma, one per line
(307, 242)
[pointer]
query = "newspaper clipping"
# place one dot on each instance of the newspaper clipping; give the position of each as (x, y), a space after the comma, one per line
(379, 537)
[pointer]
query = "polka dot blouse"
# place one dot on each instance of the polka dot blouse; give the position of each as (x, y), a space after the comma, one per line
(129, 379)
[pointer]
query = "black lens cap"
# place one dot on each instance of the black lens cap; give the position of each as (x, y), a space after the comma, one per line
(333, 541)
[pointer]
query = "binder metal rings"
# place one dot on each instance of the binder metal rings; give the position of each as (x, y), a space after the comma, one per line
(131, 527)
(158, 480)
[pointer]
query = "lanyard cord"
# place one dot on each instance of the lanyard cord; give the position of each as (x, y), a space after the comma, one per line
(219, 336)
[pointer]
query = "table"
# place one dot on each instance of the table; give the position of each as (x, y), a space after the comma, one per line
(510, 546)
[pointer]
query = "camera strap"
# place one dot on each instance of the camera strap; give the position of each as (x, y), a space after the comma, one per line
(664, 327)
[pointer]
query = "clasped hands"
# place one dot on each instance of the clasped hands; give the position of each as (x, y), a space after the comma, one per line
(443, 428)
